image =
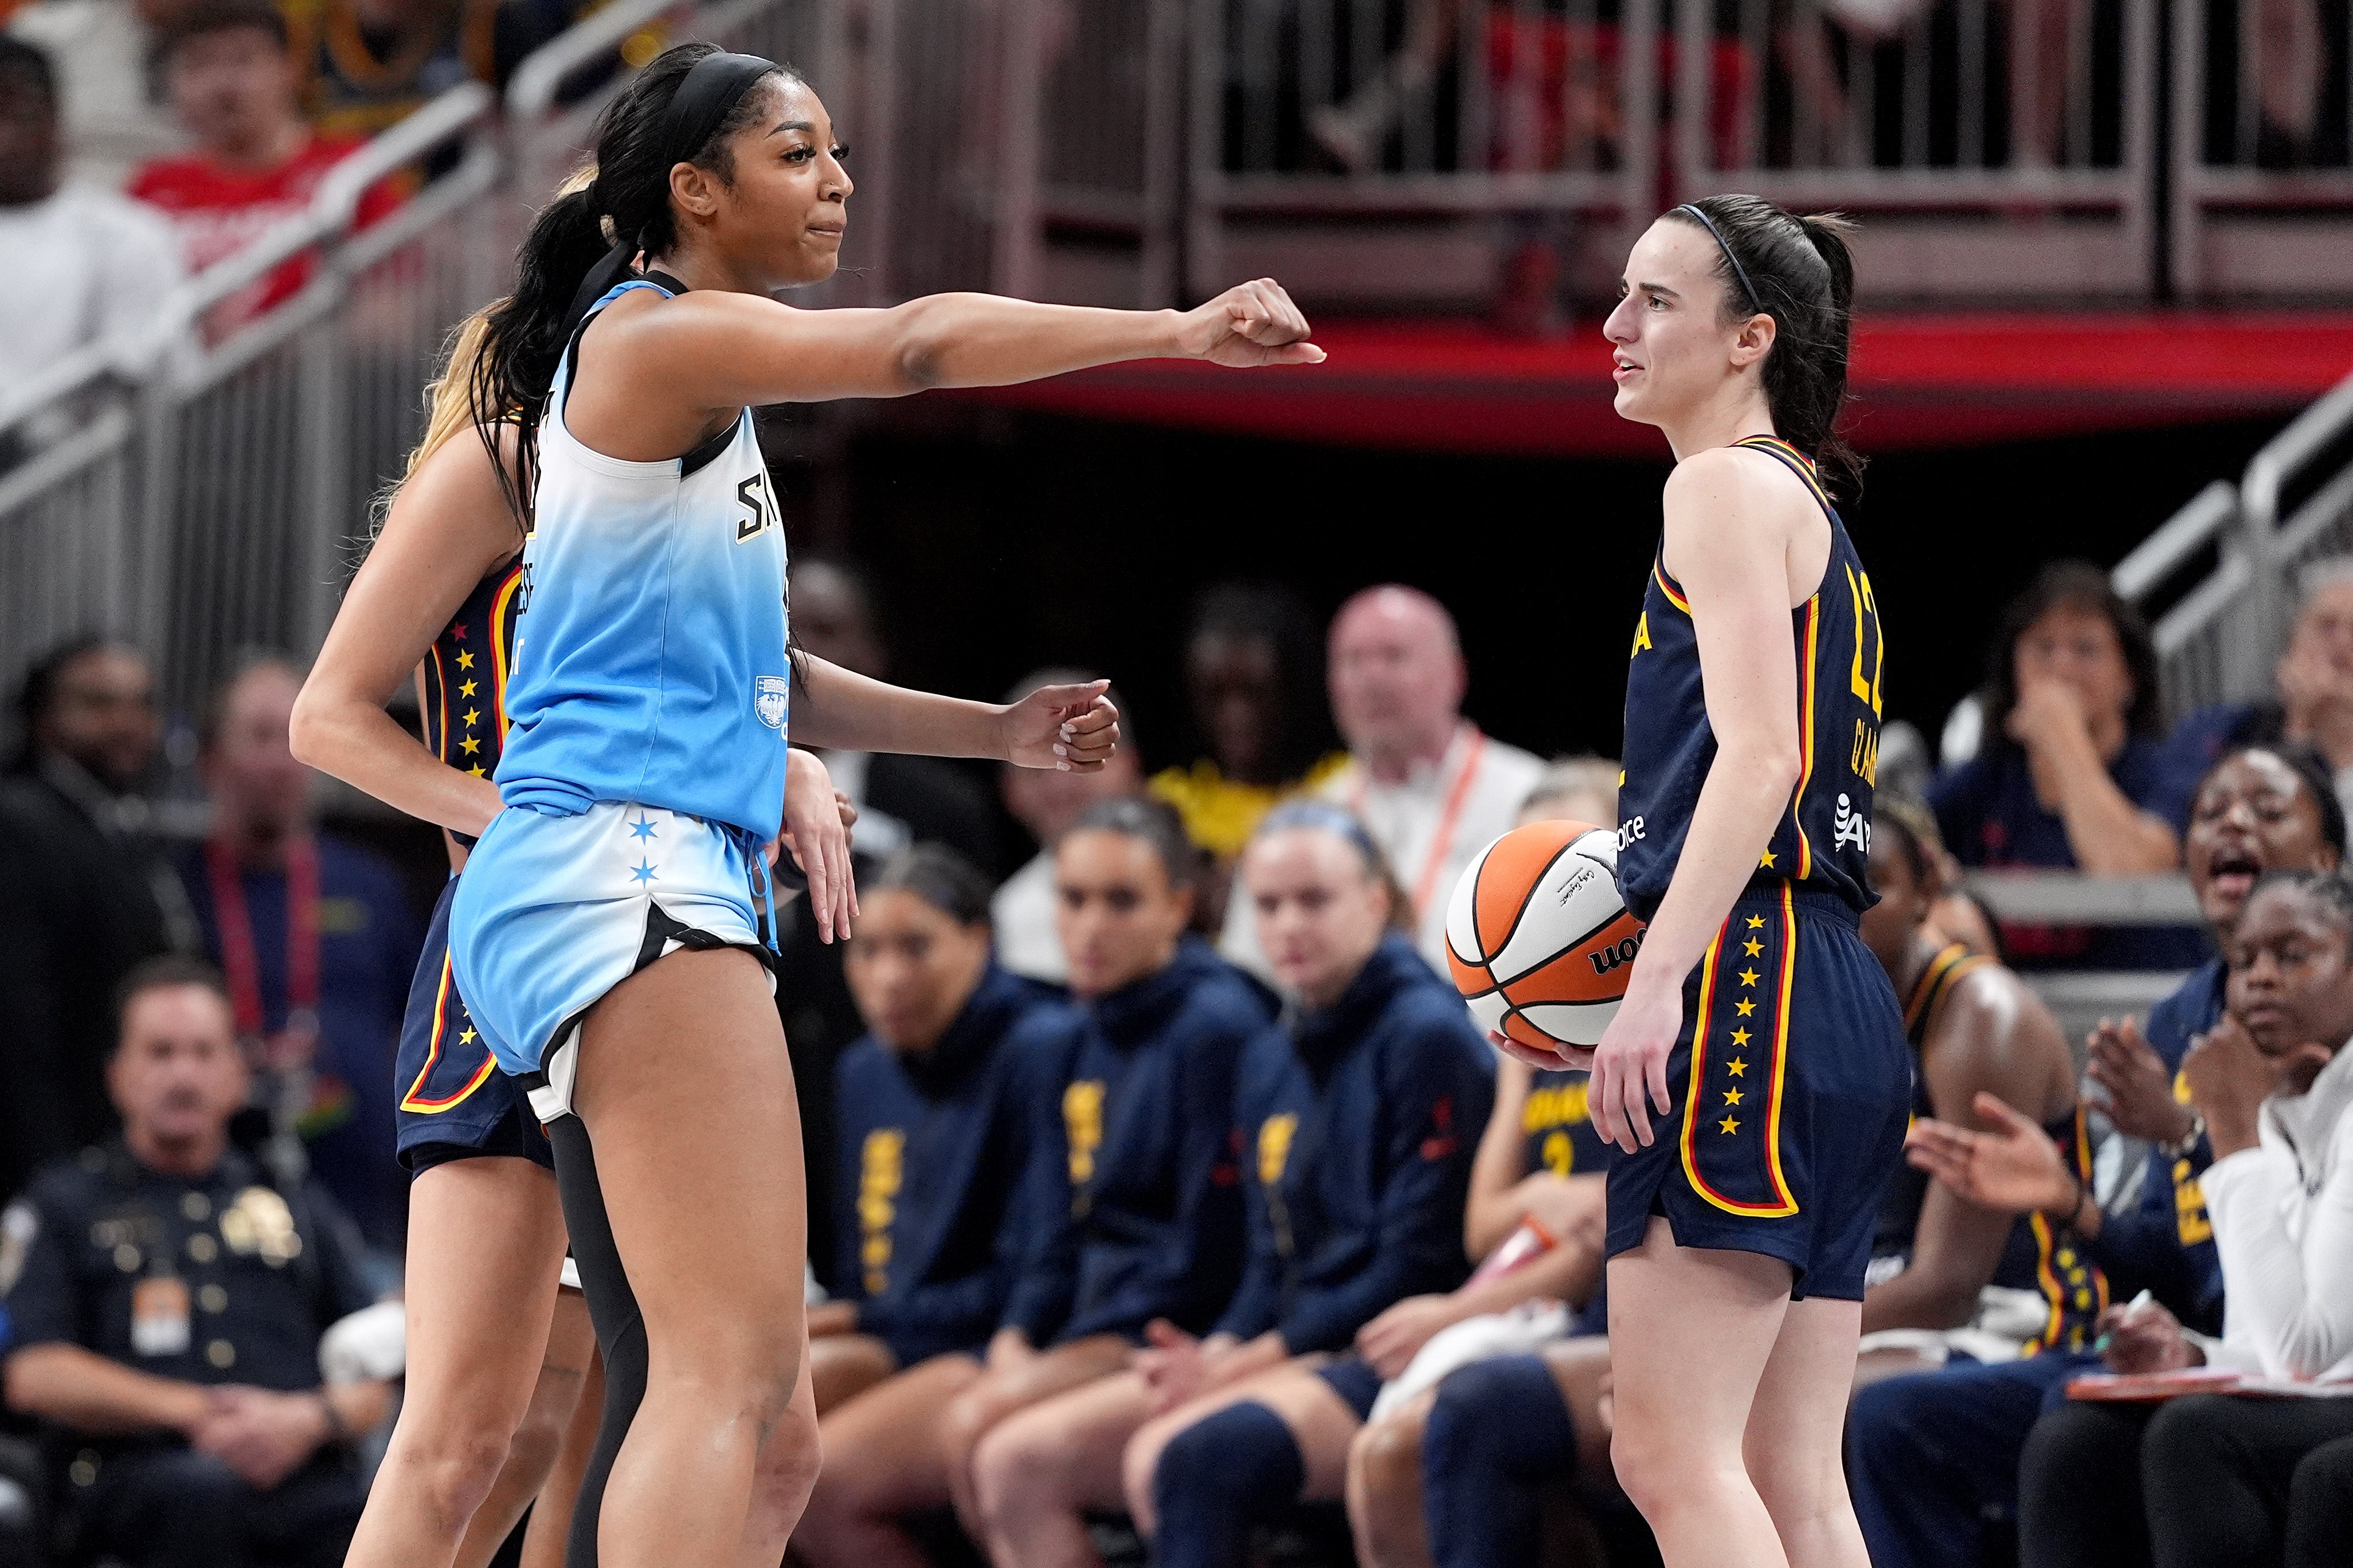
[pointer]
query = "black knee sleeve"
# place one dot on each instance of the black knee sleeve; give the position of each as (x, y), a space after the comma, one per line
(1233, 1468)
(613, 1310)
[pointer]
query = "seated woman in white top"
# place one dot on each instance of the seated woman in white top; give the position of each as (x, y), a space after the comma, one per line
(2218, 1478)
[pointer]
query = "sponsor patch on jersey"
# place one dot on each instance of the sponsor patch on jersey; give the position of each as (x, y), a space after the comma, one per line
(771, 698)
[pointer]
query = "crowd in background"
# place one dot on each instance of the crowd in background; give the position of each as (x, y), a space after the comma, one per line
(144, 141)
(1157, 1173)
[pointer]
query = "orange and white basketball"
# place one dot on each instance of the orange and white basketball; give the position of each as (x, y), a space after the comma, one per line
(1537, 938)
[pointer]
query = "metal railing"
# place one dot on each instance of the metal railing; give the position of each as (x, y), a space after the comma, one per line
(2027, 128)
(209, 493)
(2262, 147)
(2294, 504)
(196, 497)
(1335, 109)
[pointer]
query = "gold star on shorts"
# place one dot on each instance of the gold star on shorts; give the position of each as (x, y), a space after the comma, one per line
(1735, 1067)
(1730, 1124)
(1747, 1006)
(1753, 947)
(1755, 923)
(1749, 977)
(1731, 1097)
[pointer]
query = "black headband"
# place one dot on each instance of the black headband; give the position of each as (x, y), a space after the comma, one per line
(711, 88)
(1726, 245)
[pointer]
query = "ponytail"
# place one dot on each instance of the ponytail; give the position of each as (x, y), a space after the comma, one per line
(525, 333)
(611, 214)
(1799, 271)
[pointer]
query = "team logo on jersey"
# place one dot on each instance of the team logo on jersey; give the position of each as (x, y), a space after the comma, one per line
(1851, 827)
(771, 699)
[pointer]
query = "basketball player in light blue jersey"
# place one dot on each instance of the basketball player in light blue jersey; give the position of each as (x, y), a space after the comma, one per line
(610, 925)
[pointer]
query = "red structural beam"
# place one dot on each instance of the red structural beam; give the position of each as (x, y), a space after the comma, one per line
(1919, 381)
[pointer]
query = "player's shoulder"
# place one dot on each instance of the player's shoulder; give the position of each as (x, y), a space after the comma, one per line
(1714, 485)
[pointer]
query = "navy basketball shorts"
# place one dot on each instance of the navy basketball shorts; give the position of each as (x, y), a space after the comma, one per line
(1792, 1086)
(453, 1101)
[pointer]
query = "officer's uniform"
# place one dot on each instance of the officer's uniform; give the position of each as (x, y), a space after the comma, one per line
(215, 1281)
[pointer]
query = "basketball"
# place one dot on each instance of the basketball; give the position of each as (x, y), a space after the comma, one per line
(1538, 939)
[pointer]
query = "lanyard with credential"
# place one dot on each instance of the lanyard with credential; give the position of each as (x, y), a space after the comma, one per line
(240, 962)
(1450, 815)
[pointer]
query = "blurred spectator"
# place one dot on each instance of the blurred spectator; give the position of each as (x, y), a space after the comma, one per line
(901, 801)
(1135, 1211)
(232, 79)
(1430, 786)
(168, 1303)
(2314, 683)
(369, 64)
(1357, 1130)
(372, 63)
(317, 943)
(103, 50)
(1255, 708)
(1933, 1458)
(2204, 1480)
(96, 264)
(939, 1104)
(1045, 802)
(2292, 57)
(2072, 773)
(92, 893)
(1574, 789)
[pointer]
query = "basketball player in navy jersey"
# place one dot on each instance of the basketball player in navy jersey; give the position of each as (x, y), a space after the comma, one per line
(1755, 1077)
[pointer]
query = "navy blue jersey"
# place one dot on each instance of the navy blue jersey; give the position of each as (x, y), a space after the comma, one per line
(1557, 1128)
(1823, 840)
(1141, 1184)
(1358, 1133)
(465, 699)
(2164, 1242)
(450, 1095)
(933, 1153)
(2038, 1256)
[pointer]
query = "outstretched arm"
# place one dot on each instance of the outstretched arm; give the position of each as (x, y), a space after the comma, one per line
(716, 351)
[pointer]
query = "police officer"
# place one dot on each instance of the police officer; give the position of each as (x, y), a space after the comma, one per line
(167, 1303)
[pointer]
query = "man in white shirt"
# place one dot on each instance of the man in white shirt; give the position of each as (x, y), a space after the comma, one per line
(1431, 787)
(1046, 802)
(87, 263)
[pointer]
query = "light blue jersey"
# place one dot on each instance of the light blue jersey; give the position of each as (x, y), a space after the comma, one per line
(649, 661)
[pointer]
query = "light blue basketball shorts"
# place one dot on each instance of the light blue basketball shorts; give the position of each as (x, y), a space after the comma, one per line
(553, 912)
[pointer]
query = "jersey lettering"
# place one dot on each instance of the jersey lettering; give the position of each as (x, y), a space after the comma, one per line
(1641, 633)
(881, 1172)
(760, 513)
(1083, 1122)
(1866, 616)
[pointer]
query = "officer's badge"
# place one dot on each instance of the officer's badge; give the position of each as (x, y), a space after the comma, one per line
(260, 1223)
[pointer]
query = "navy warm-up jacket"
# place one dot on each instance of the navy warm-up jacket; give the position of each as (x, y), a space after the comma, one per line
(935, 1167)
(1145, 1199)
(1358, 1131)
(2164, 1241)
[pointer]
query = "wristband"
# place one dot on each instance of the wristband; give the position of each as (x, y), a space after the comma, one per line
(2181, 1148)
